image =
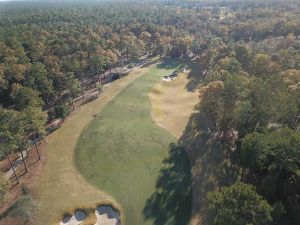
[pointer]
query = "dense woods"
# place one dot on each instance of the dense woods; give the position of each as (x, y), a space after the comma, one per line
(247, 55)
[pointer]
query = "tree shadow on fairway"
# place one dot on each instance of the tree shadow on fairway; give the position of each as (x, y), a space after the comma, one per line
(170, 64)
(170, 204)
(211, 162)
(195, 77)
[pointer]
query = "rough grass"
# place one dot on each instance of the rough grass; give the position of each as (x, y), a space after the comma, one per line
(121, 152)
(61, 188)
(173, 104)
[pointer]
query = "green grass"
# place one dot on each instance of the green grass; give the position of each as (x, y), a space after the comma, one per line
(61, 188)
(122, 150)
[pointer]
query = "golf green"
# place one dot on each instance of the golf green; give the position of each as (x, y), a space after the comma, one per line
(122, 151)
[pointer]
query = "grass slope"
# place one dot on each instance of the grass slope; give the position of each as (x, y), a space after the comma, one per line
(122, 150)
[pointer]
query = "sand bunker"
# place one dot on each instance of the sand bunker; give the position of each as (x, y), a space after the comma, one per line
(105, 215)
(171, 77)
(78, 217)
(166, 78)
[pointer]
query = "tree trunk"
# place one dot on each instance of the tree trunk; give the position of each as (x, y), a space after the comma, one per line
(26, 170)
(46, 101)
(73, 104)
(11, 165)
(36, 147)
(296, 120)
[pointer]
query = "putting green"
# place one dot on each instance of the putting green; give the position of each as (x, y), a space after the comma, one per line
(122, 150)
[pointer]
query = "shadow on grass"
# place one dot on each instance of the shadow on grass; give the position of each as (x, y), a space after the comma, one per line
(151, 62)
(171, 202)
(170, 64)
(211, 161)
(195, 77)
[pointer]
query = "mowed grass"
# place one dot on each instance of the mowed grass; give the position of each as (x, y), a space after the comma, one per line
(122, 150)
(61, 188)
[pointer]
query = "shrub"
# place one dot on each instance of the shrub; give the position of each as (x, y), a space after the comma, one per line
(62, 110)
(24, 208)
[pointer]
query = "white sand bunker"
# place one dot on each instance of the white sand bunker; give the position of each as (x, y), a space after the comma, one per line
(106, 215)
(171, 77)
(78, 217)
(166, 78)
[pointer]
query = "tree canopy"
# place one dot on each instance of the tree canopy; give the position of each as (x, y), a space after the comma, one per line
(238, 204)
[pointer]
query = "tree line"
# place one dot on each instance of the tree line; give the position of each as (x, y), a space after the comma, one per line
(254, 110)
(250, 104)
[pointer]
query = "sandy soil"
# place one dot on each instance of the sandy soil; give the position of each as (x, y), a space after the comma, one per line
(77, 218)
(106, 215)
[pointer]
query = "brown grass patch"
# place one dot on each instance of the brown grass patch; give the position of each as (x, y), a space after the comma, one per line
(172, 104)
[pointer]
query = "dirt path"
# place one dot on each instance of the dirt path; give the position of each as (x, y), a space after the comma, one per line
(61, 188)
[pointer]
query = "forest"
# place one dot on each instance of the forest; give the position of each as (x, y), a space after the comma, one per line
(246, 55)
